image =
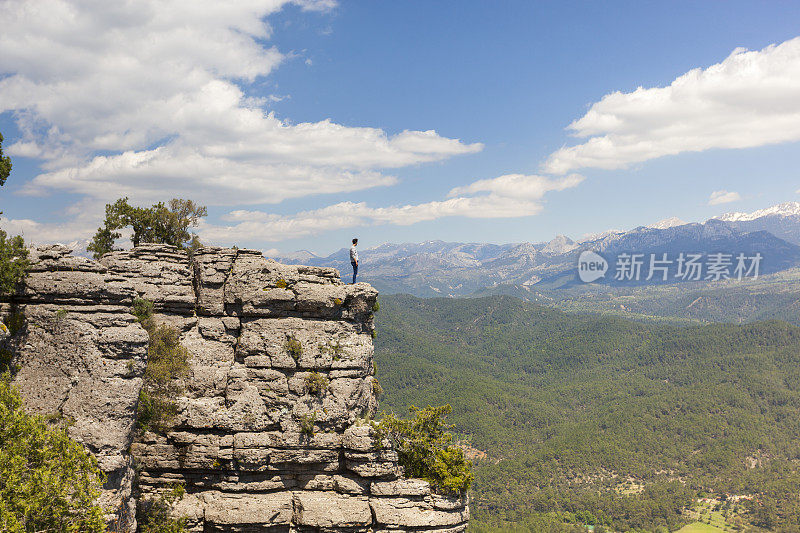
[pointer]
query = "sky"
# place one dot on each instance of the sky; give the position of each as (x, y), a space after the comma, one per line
(301, 124)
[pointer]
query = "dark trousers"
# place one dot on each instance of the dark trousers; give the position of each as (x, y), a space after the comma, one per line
(355, 271)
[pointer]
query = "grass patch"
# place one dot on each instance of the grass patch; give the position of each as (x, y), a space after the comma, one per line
(713, 516)
(700, 527)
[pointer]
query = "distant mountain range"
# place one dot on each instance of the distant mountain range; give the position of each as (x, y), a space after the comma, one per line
(437, 268)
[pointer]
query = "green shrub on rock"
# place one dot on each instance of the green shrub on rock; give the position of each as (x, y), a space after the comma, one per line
(293, 347)
(155, 514)
(424, 448)
(13, 262)
(155, 413)
(332, 348)
(377, 389)
(5, 357)
(143, 311)
(316, 383)
(307, 422)
(167, 360)
(14, 322)
(48, 482)
(167, 363)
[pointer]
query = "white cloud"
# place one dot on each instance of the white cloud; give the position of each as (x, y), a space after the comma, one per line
(723, 197)
(513, 195)
(160, 88)
(519, 186)
(151, 101)
(81, 222)
(174, 170)
(750, 99)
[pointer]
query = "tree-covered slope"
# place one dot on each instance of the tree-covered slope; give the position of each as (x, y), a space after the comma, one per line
(566, 407)
(775, 296)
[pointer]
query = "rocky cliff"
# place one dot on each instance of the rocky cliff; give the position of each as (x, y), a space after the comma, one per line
(256, 445)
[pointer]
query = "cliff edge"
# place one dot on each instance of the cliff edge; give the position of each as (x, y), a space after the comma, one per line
(258, 443)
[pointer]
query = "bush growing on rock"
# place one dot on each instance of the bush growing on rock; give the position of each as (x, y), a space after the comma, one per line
(155, 413)
(13, 262)
(424, 447)
(167, 363)
(14, 322)
(307, 422)
(167, 359)
(316, 383)
(377, 389)
(143, 311)
(48, 482)
(294, 347)
(5, 357)
(155, 514)
(333, 348)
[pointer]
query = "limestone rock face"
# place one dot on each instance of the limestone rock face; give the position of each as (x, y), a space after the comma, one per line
(81, 356)
(268, 436)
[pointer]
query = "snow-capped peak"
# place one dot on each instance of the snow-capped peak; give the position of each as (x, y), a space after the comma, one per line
(670, 222)
(590, 237)
(785, 209)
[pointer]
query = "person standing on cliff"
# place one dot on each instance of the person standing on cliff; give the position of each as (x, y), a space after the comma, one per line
(354, 259)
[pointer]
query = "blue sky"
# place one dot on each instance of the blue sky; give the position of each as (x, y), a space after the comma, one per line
(136, 102)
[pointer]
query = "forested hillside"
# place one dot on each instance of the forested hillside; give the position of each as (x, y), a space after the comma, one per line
(587, 419)
(775, 296)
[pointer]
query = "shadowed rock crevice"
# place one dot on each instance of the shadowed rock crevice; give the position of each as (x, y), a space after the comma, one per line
(268, 435)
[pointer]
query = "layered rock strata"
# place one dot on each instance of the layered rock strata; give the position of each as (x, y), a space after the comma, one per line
(270, 434)
(80, 356)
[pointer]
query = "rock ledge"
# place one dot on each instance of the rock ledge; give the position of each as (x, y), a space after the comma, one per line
(239, 446)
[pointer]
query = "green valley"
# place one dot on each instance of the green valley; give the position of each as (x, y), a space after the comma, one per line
(773, 296)
(577, 419)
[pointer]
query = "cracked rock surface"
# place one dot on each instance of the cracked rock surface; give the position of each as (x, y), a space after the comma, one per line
(257, 447)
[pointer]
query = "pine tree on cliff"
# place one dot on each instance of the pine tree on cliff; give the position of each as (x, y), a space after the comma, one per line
(160, 223)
